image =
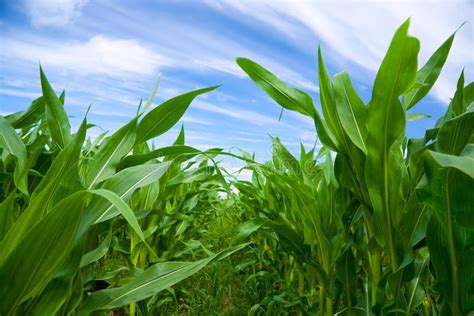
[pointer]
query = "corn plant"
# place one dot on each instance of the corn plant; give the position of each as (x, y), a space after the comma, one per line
(301, 202)
(66, 204)
(401, 186)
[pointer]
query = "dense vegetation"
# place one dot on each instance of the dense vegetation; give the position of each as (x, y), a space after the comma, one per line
(372, 223)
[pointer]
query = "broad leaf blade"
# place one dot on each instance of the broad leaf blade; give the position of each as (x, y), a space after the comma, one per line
(12, 143)
(286, 96)
(386, 125)
(105, 161)
(351, 110)
(152, 281)
(166, 115)
(41, 252)
(428, 74)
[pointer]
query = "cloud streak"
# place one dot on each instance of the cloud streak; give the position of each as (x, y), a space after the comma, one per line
(359, 40)
(53, 12)
(101, 55)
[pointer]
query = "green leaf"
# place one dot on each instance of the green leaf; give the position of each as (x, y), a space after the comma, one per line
(328, 105)
(247, 228)
(428, 74)
(174, 150)
(450, 234)
(53, 184)
(411, 117)
(7, 210)
(464, 164)
(468, 95)
(455, 133)
(166, 115)
(351, 109)
(150, 100)
(41, 252)
(457, 105)
(124, 183)
(123, 208)
(386, 125)
(12, 143)
(26, 118)
(415, 298)
(152, 281)
(288, 97)
(180, 139)
(97, 253)
(347, 275)
(56, 117)
(115, 147)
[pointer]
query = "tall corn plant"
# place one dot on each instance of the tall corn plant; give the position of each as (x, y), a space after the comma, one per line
(303, 205)
(373, 163)
(59, 193)
(447, 158)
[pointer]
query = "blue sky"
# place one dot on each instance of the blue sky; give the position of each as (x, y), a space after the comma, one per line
(109, 53)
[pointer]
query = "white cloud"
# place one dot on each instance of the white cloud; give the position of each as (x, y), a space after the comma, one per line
(245, 115)
(192, 120)
(19, 93)
(53, 12)
(250, 140)
(99, 55)
(356, 34)
(193, 47)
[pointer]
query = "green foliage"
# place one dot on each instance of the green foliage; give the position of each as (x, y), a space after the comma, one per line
(71, 219)
(367, 223)
(365, 227)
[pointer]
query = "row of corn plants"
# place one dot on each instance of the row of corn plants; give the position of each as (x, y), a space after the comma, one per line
(89, 225)
(387, 226)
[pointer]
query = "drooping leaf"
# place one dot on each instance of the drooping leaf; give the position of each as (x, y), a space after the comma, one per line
(455, 133)
(123, 208)
(154, 280)
(138, 159)
(28, 117)
(450, 233)
(288, 97)
(124, 183)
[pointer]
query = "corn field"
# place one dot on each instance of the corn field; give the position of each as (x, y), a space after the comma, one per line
(373, 223)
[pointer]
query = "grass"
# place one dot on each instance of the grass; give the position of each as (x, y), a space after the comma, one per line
(372, 223)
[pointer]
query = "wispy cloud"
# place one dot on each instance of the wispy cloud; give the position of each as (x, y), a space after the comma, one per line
(246, 116)
(362, 37)
(19, 93)
(53, 12)
(101, 55)
(192, 120)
